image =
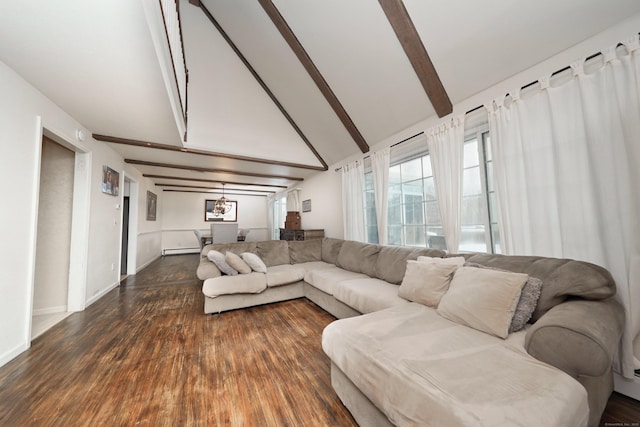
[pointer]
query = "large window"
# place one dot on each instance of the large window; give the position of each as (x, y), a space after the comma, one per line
(413, 211)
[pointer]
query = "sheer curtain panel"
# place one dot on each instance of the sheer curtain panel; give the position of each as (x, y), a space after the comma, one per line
(445, 144)
(567, 178)
(353, 201)
(380, 170)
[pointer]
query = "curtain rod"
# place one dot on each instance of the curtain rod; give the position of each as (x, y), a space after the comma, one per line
(391, 146)
(568, 67)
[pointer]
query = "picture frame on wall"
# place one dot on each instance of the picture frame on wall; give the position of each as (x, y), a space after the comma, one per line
(230, 216)
(110, 181)
(306, 205)
(152, 205)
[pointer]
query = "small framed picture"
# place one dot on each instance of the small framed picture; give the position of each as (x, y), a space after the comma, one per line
(152, 205)
(110, 181)
(306, 205)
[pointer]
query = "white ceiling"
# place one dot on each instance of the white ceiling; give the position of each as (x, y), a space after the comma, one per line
(96, 60)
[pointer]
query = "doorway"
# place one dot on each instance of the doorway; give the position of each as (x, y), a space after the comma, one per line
(125, 235)
(53, 244)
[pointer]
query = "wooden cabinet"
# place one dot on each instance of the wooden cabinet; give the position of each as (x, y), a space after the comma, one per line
(295, 234)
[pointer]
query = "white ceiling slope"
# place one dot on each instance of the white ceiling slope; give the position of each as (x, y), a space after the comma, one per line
(96, 60)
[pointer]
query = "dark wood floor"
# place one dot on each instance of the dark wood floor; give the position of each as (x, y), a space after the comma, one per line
(145, 354)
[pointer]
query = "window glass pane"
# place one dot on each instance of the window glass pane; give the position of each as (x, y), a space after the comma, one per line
(394, 175)
(395, 195)
(414, 235)
(430, 189)
(435, 238)
(497, 247)
(394, 215)
(395, 235)
(432, 213)
(472, 239)
(411, 170)
(426, 166)
(413, 214)
(473, 210)
(471, 153)
(412, 188)
(471, 183)
(368, 181)
(372, 234)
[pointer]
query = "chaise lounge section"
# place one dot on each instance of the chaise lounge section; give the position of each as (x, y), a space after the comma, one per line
(397, 362)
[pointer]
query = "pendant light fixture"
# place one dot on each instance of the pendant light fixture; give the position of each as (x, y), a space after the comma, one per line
(222, 205)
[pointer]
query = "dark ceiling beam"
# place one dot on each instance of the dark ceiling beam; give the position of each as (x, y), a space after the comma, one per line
(208, 192)
(212, 170)
(216, 188)
(414, 48)
(293, 42)
(146, 144)
(261, 82)
(221, 181)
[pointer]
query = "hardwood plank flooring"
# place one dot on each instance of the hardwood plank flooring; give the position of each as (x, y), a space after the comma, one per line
(145, 354)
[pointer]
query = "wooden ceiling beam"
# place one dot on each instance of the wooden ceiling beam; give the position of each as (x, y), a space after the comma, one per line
(261, 82)
(212, 170)
(416, 52)
(215, 188)
(297, 48)
(183, 178)
(146, 144)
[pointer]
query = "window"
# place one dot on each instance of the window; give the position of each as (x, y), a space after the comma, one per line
(279, 215)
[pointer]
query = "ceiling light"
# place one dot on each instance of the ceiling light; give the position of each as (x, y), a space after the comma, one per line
(222, 205)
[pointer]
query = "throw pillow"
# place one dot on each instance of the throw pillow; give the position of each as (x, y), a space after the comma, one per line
(218, 259)
(528, 299)
(254, 262)
(456, 260)
(426, 283)
(483, 299)
(237, 263)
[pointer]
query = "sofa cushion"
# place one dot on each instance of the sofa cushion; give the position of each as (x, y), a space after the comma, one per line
(392, 261)
(358, 257)
(367, 295)
(562, 278)
(237, 263)
(284, 274)
(254, 262)
(273, 252)
(219, 260)
(251, 283)
(315, 265)
(426, 282)
(305, 251)
(331, 249)
(483, 299)
(422, 369)
(456, 260)
(325, 278)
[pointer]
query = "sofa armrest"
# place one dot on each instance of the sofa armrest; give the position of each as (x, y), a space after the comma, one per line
(579, 337)
(207, 269)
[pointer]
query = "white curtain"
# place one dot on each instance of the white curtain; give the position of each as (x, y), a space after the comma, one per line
(353, 201)
(380, 171)
(446, 143)
(567, 178)
(271, 226)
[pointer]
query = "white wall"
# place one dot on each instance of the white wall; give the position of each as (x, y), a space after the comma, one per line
(183, 212)
(325, 191)
(23, 113)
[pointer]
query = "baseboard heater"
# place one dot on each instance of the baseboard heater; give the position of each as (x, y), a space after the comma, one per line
(180, 251)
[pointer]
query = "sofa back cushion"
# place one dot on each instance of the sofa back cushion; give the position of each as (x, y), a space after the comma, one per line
(392, 261)
(305, 251)
(331, 249)
(358, 257)
(273, 252)
(561, 278)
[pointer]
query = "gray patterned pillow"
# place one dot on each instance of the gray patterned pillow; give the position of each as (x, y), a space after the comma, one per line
(528, 299)
(218, 259)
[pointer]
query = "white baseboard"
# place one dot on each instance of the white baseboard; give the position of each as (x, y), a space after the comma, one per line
(180, 251)
(49, 310)
(11, 354)
(627, 387)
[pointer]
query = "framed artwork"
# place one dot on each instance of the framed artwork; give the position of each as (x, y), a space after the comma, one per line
(152, 204)
(306, 205)
(229, 216)
(110, 181)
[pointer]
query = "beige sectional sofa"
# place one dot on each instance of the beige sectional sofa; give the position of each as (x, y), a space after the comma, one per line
(396, 362)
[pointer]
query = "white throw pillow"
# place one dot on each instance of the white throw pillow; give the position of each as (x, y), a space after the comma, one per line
(483, 299)
(456, 260)
(426, 282)
(218, 259)
(237, 263)
(254, 262)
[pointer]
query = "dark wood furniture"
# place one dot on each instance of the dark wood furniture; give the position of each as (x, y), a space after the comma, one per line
(296, 234)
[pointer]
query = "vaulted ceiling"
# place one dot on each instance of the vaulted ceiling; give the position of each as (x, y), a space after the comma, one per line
(280, 89)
